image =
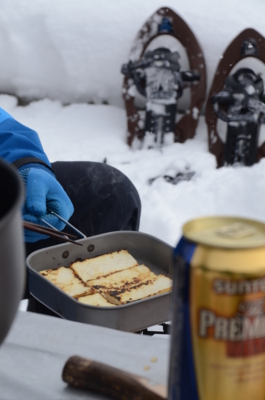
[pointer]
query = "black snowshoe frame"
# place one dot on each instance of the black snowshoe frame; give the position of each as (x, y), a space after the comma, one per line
(165, 22)
(243, 127)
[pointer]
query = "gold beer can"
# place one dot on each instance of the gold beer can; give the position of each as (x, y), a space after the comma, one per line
(218, 321)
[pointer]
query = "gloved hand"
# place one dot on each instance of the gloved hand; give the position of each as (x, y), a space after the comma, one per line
(43, 193)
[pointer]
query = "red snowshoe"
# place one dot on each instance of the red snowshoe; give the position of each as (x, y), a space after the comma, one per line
(158, 77)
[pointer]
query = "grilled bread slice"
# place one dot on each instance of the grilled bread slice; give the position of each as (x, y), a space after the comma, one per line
(106, 264)
(95, 300)
(161, 284)
(65, 279)
(121, 280)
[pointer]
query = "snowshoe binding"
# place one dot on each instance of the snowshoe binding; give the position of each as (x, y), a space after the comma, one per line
(242, 97)
(239, 101)
(158, 77)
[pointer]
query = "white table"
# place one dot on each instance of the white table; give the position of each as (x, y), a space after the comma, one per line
(37, 347)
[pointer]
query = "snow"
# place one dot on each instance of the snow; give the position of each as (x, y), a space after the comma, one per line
(65, 55)
(73, 50)
(94, 132)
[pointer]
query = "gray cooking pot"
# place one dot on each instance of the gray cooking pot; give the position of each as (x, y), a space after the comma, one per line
(12, 253)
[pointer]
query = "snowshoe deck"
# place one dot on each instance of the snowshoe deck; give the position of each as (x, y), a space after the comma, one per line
(166, 22)
(248, 43)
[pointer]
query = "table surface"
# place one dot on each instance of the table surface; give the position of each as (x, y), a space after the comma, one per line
(37, 347)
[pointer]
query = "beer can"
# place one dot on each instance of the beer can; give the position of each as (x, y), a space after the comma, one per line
(218, 312)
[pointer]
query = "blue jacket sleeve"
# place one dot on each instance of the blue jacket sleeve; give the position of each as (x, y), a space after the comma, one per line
(18, 142)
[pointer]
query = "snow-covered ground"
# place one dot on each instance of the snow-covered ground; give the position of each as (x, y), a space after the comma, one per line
(66, 54)
(95, 132)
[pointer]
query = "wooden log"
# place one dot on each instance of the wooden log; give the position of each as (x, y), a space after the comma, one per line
(101, 378)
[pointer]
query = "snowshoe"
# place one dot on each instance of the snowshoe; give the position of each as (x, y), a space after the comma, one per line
(157, 76)
(238, 100)
(242, 97)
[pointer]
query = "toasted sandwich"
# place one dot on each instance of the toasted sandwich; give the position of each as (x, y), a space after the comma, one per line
(95, 300)
(65, 279)
(153, 287)
(121, 280)
(106, 264)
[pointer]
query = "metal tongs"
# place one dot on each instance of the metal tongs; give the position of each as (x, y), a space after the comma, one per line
(67, 223)
(52, 231)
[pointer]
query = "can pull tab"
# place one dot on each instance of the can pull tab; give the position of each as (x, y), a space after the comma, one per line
(236, 231)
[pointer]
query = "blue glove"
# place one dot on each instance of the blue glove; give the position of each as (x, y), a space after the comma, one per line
(43, 193)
